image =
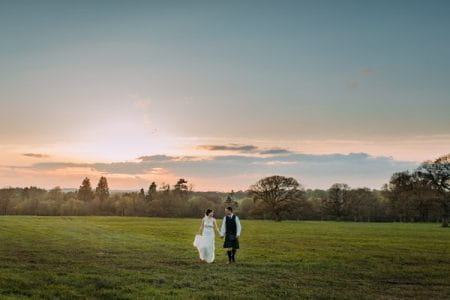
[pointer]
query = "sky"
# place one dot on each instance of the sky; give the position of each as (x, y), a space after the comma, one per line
(221, 93)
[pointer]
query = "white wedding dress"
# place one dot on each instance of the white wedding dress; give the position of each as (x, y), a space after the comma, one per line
(205, 242)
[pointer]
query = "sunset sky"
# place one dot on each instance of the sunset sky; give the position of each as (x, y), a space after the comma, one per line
(221, 93)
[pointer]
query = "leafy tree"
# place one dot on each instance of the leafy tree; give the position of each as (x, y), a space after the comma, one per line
(198, 204)
(53, 201)
(124, 204)
(85, 192)
(165, 188)
(102, 190)
(336, 202)
(436, 175)
(277, 195)
(32, 199)
(142, 195)
(361, 204)
(316, 199)
(229, 201)
(56, 194)
(422, 196)
(151, 195)
(246, 208)
(6, 198)
(73, 207)
(179, 198)
(398, 191)
(181, 186)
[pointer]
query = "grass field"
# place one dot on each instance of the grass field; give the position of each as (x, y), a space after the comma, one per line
(132, 258)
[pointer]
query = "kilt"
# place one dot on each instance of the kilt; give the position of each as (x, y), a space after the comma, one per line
(231, 242)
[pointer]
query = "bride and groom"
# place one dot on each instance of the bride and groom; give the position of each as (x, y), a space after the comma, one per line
(205, 240)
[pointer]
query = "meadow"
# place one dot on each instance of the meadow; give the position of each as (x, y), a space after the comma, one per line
(145, 258)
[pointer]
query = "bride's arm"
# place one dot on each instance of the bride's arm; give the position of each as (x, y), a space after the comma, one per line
(216, 226)
(223, 229)
(200, 231)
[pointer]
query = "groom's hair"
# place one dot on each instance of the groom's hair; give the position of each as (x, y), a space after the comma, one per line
(230, 208)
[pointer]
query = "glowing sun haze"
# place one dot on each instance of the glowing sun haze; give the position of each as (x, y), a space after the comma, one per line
(221, 93)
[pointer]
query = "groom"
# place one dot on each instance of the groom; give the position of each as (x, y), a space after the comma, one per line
(231, 229)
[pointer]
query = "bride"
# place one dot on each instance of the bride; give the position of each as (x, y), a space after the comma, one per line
(204, 240)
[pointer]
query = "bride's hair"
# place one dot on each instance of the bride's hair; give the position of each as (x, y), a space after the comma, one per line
(208, 211)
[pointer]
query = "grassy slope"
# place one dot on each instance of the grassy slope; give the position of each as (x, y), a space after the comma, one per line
(128, 258)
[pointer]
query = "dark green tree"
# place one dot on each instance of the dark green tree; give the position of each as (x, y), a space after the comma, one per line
(336, 201)
(151, 194)
(362, 204)
(436, 175)
(102, 190)
(181, 186)
(141, 196)
(85, 192)
(277, 195)
(6, 197)
(230, 200)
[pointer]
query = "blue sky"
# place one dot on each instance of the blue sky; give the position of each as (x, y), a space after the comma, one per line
(101, 82)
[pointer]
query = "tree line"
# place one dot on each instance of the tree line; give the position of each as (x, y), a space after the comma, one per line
(421, 195)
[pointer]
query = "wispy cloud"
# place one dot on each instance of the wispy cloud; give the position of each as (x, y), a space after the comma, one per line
(35, 155)
(167, 158)
(238, 148)
(157, 158)
(229, 147)
(275, 151)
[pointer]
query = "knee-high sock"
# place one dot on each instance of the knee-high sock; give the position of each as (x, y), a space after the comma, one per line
(229, 255)
(233, 253)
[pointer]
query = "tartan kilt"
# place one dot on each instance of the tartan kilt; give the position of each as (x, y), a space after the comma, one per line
(230, 243)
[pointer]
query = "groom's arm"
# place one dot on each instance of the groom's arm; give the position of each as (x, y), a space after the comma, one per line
(238, 226)
(222, 229)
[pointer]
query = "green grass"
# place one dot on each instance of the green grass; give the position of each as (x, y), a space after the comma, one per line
(142, 258)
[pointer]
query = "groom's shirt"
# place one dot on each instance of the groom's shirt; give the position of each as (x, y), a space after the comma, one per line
(238, 225)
